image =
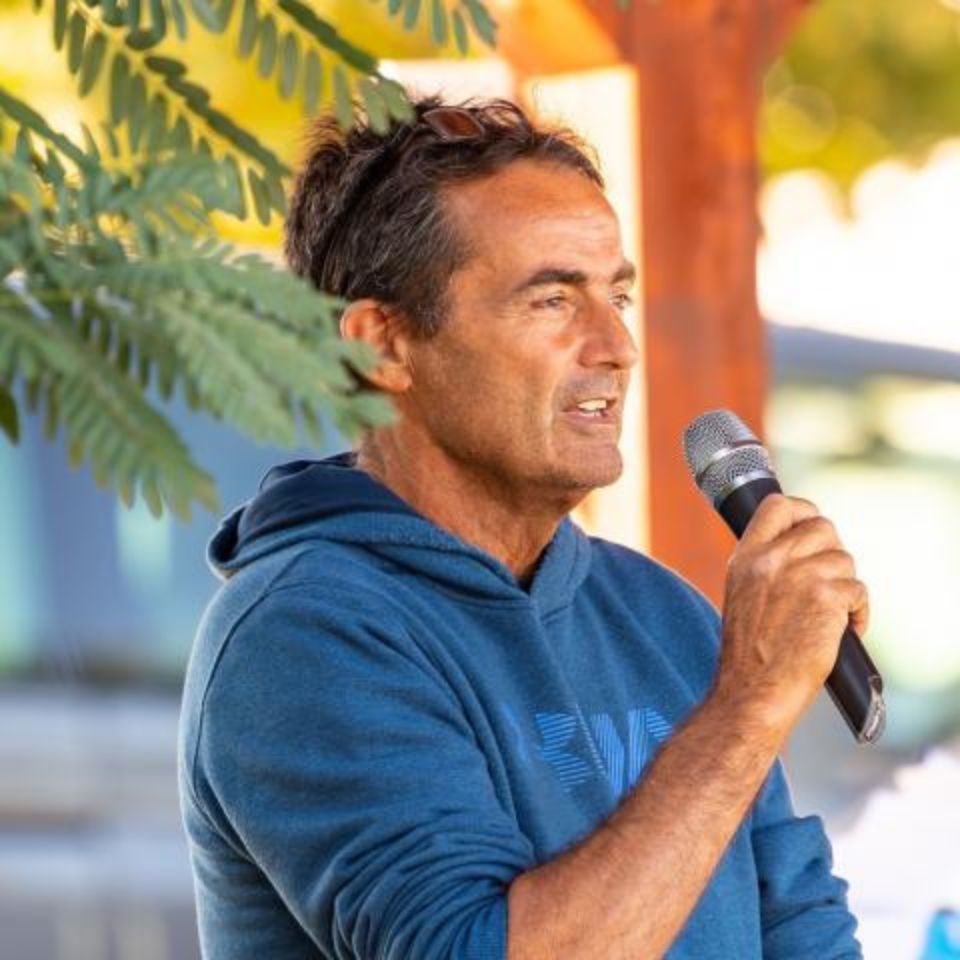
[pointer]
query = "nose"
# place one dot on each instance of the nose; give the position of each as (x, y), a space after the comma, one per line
(608, 341)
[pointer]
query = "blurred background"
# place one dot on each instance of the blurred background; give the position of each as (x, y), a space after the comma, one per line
(857, 268)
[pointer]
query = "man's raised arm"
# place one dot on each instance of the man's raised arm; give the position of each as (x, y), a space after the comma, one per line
(626, 891)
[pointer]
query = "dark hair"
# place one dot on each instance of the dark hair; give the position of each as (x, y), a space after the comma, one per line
(396, 244)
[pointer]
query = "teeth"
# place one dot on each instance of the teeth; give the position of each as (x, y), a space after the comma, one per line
(591, 406)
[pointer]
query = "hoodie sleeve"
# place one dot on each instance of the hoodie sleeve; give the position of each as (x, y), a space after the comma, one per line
(803, 906)
(342, 764)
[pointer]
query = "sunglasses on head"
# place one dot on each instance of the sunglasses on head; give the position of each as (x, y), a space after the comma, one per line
(452, 123)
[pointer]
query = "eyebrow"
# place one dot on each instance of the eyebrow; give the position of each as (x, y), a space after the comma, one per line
(577, 278)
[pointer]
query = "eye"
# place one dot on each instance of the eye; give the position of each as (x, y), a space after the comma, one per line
(554, 302)
(621, 300)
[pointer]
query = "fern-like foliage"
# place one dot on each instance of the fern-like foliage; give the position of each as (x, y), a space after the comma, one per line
(108, 287)
(458, 17)
(157, 102)
(112, 279)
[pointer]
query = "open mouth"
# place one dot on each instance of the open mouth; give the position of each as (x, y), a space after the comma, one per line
(598, 410)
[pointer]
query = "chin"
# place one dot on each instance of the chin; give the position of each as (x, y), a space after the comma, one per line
(586, 473)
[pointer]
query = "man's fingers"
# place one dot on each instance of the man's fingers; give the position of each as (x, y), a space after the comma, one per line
(833, 579)
(775, 515)
(807, 537)
(825, 565)
(858, 600)
(853, 594)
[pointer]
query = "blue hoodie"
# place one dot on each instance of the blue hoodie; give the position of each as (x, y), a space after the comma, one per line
(381, 729)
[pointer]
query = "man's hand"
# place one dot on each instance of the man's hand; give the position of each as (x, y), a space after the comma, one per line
(791, 591)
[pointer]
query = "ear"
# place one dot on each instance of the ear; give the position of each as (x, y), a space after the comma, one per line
(382, 328)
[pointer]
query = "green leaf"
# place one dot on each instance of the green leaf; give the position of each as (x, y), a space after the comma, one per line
(55, 172)
(249, 23)
(25, 115)
(342, 104)
(439, 25)
(119, 88)
(237, 203)
(278, 196)
(196, 96)
(151, 496)
(156, 123)
(483, 23)
(374, 107)
(158, 17)
(59, 22)
(289, 65)
(85, 262)
(179, 18)
(411, 13)
(9, 421)
(77, 34)
(166, 66)
(367, 408)
(460, 32)
(328, 36)
(24, 146)
(180, 136)
(268, 46)
(92, 62)
(112, 142)
(137, 111)
(225, 12)
(311, 422)
(261, 200)
(133, 14)
(214, 18)
(395, 97)
(312, 83)
(142, 39)
(91, 144)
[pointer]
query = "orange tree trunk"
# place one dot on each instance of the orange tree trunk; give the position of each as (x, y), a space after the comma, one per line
(701, 65)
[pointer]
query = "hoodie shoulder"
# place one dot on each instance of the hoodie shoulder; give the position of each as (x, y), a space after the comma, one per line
(336, 574)
(664, 605)
(658, 581)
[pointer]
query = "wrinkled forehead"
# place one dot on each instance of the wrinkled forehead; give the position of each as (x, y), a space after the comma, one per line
(514, 217)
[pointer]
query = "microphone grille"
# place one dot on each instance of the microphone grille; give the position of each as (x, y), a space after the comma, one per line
(720, 448)
(710, 433)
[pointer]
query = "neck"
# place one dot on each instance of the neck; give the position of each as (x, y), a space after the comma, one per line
(507, 523)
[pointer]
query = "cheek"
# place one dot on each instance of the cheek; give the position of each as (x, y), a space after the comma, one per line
(500, 381)
(492, 408)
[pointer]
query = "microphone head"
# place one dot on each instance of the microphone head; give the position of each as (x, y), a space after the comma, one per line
(723, 454)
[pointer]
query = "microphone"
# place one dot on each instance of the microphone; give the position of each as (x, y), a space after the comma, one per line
(734, 472)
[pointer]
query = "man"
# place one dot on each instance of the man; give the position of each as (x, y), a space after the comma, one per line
(426, 716)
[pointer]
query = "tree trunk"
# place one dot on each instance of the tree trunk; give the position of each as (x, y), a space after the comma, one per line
(701, 64)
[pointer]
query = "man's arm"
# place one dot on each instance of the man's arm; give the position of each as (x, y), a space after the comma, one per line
(791, 591)
(333, 755)
(803, 905)
(668, 836)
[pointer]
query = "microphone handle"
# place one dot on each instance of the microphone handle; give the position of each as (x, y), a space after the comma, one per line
(854, 684)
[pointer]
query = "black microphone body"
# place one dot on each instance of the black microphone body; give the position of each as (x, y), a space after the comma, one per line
(854, 684)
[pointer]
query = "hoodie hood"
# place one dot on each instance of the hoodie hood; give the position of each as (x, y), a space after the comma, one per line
(331, 500)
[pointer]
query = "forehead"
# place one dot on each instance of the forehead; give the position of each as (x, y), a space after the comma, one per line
(516, 217)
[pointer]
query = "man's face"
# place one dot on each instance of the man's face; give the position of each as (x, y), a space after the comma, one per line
(524, 385)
